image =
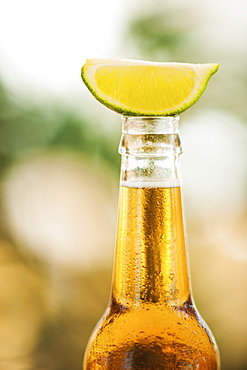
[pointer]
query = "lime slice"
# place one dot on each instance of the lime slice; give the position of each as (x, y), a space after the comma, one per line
(142, 88)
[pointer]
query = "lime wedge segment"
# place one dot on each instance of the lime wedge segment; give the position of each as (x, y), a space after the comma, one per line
(138, 88)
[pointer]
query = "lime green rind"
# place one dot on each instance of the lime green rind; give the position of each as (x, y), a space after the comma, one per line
(171, 112)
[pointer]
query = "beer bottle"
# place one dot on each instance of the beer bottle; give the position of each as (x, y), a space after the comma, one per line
(151, 322)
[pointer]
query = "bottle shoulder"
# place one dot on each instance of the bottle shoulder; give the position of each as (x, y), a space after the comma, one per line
(153, 318)
(160, 331)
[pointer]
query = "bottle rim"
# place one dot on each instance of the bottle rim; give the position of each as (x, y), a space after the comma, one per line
(150, 124)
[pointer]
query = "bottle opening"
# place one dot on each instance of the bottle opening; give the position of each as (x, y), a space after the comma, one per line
(150, 125)
(150, 148)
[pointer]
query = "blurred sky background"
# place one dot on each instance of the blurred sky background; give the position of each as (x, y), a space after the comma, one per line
(59, 169)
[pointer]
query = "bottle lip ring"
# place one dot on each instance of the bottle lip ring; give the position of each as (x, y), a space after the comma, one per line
(150, 124)
(175, 117)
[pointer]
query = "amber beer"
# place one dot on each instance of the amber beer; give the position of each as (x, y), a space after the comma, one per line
(151, 322)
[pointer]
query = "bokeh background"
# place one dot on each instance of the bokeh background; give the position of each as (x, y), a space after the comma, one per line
(59, 169)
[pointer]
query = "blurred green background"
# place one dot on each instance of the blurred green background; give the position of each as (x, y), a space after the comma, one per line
(59, 169)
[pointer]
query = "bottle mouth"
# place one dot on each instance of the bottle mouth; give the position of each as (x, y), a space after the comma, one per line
(150, 136)
(150, 125)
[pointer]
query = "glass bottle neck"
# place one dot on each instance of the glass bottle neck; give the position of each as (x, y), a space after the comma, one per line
(150, 262)
(150, 148)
